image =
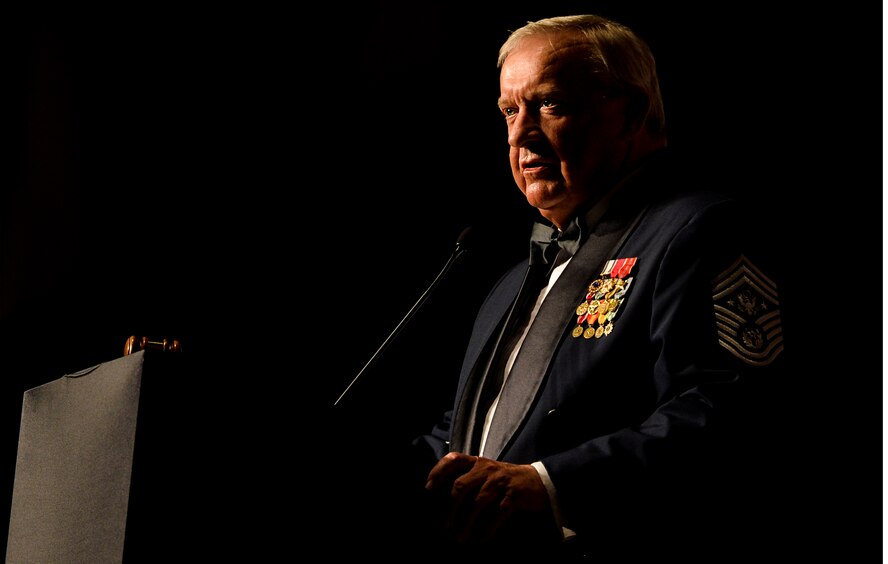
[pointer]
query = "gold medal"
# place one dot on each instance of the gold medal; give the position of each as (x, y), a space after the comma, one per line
(604, 298)
(593, 287)
(624, 288)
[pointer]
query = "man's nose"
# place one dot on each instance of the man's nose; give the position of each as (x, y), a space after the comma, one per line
(524, 128)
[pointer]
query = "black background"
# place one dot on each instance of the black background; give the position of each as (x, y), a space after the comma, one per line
(277, 189)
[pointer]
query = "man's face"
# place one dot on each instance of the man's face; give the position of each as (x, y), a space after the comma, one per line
(567, 137)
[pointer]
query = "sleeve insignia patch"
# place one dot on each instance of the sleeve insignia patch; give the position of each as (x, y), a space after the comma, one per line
(747, 313)
(604, 296)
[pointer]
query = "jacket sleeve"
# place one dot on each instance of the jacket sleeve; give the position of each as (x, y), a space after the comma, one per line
(666, 471)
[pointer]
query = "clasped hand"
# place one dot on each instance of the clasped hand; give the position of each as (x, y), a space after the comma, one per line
(484, 499)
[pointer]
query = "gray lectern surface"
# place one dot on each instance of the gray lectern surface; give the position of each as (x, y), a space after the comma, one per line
(74, 465)
(119, 463)
(162, 457)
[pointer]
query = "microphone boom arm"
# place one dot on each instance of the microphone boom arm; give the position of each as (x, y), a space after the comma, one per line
(457, 252)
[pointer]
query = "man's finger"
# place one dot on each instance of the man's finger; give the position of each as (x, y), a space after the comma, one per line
(449, 468)
(481, 512)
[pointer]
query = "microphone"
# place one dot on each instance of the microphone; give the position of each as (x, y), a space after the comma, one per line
(462, 245)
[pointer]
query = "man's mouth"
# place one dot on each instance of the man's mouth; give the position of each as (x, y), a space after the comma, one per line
(535, 167)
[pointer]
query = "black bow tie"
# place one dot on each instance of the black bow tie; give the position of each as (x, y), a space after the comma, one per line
(546, 241)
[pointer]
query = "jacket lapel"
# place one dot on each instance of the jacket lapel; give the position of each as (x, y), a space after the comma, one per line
(555, 317)
(473, 366)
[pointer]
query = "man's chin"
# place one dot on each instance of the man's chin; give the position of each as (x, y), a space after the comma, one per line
(557, 211)
(544, 194)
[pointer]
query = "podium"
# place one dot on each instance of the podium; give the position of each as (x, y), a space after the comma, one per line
(117, 463)
(74, 465)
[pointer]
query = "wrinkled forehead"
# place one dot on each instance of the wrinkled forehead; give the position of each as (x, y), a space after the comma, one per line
(553, 45)
(561, 56)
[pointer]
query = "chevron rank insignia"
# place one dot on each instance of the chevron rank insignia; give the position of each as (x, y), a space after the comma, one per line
(747, 313)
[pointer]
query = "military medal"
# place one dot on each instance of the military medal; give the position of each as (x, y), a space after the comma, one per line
(602, 307)
(604, 296)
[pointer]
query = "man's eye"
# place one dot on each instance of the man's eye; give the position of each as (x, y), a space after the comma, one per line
(547, 103)
(509, 111)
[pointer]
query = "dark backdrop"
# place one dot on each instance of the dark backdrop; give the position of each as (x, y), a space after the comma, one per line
(277, 189)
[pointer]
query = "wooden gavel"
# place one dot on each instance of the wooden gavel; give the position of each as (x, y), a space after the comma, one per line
(134, 344)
